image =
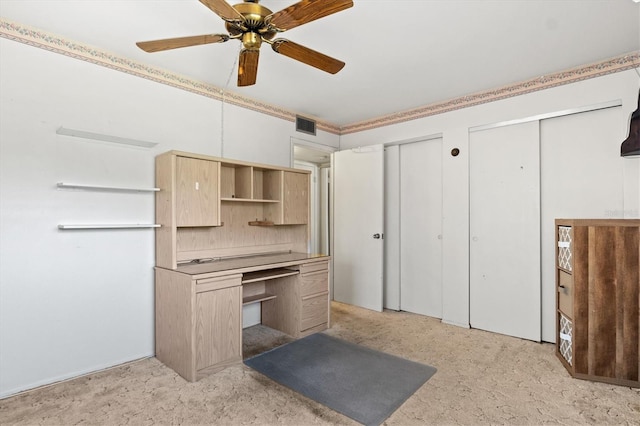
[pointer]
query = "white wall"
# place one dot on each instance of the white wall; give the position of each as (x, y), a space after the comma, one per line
(72, 302)
(455, 126)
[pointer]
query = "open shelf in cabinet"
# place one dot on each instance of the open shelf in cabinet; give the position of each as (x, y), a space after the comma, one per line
(262, 297)
(240, 183)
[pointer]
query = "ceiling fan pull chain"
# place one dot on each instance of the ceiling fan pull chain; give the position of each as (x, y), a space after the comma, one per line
(224, 92)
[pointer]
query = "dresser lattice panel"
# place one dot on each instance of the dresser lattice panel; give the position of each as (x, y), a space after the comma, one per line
(564, 247)
(566, 331)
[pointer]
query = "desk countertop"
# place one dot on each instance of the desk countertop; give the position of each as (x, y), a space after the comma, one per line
(249, 263)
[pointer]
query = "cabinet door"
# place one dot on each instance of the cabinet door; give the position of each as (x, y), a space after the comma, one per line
(197, 198)
(295, 204)
(218, 326)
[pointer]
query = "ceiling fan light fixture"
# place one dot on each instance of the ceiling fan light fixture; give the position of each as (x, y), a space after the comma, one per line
(251, 40)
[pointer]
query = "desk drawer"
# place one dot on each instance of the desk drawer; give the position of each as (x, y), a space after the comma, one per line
(217, 283)
(313, 283)
(315, 311)
(305, 268)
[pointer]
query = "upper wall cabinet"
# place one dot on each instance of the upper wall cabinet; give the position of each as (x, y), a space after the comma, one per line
(197, 202)
(209, 207)
(295, 198)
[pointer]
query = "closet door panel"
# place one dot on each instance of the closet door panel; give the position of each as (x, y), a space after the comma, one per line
(504, 192)
(421, 227)
(583, 176)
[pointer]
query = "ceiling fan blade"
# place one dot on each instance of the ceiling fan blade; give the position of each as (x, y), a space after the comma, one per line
(248, 67)
(174, 43)
(223, 10)
(307, 56)
(305, 11)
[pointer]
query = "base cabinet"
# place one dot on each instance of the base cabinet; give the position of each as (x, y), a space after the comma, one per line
(218, 327)
(598, 299)
(198, 322)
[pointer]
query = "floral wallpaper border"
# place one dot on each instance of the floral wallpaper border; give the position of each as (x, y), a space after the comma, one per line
(53, 43)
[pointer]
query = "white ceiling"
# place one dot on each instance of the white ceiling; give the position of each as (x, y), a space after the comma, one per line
(399, 54)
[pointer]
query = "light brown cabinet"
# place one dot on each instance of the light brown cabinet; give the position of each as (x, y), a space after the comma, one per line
(198, 322)
(314, 295)
(232, 233)
(197, 202)
(206, 207)
(295, 200)
(292, 190)
(598, 299)
(301, 303)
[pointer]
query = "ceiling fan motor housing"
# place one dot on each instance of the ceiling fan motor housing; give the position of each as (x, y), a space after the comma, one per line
(254, 24)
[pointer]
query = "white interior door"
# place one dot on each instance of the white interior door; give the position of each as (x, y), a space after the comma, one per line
(504, 192)
(421, 227)
(358, 188)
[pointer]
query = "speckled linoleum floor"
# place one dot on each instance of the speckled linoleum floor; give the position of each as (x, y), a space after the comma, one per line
(483, 378)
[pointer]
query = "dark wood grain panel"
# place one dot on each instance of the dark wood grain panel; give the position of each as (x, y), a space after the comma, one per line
(602, 301)
(628, 304)
(580, 255)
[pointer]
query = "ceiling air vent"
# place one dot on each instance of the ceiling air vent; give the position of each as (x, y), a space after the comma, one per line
(305, 125)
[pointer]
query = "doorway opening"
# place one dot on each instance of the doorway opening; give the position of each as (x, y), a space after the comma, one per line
(316, 159)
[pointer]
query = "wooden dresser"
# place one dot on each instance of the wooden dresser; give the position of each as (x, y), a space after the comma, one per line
(598, 299)
(232, 233)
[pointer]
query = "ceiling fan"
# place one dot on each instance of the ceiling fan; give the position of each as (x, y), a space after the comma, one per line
(252, 24)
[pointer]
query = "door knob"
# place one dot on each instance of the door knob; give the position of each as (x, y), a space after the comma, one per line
(376, 236)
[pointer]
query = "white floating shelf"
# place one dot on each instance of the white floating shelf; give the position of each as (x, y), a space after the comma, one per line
(105, 138)
(105, 188)
(110, 226)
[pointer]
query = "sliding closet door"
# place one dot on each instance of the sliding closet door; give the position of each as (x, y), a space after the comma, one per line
(421, 227)
(582, 177)
(504, 192)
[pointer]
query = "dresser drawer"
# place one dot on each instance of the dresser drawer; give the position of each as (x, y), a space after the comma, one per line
(315, 311)
(565, 293)
(313, 283)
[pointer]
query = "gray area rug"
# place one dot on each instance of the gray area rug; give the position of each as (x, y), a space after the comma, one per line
(361, 383)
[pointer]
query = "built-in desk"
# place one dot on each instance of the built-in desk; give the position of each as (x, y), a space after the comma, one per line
(199, 306)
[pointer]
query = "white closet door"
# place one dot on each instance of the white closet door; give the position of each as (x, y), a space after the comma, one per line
(583, 176)
(392, 227)
(421, 227)
(504, 192)
(358, 188)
